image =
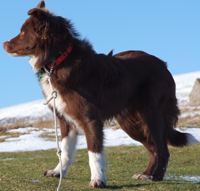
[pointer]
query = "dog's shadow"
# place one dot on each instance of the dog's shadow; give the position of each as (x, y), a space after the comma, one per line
(126, 186)
(137, 186)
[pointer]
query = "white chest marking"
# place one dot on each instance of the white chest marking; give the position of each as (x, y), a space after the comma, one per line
(60, 104)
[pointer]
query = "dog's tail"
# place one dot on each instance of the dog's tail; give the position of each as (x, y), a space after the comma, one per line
(178, 139)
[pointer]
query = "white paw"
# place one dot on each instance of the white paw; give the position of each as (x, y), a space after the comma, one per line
(97, 184)
(142, 176)
(52, 173)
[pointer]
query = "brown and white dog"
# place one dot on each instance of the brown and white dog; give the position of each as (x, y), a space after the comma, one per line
(133, 87)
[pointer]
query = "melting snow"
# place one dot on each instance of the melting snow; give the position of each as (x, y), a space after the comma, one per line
(192, 179)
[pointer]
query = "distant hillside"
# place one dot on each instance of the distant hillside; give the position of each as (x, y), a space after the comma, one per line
(28, 114)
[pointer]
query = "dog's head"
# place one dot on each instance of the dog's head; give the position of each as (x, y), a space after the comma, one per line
(42, 36)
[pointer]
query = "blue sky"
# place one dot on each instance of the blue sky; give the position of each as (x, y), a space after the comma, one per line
(169, 30)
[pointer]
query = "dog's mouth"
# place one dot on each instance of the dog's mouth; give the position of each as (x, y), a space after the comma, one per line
(24, 52)
(19, 52)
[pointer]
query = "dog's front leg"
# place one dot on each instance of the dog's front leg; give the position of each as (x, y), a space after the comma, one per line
(97, 167)
(94, 136)
(68, 144)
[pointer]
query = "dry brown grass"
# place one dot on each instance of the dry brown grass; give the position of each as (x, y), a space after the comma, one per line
(44, 124)
(191, 119)
(37, 124)
(109, 123)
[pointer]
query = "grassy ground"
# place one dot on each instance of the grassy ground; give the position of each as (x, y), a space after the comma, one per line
(24, 170)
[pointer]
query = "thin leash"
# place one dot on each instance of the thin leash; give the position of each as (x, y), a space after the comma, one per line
(50, 67)
(54, 96)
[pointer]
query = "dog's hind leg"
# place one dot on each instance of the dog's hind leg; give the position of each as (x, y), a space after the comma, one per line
(68, 143)
(132, 123)
(94, 136)
(157, 130)
(147, 174)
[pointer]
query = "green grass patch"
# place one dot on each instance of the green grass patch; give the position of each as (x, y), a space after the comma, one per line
(24, 170)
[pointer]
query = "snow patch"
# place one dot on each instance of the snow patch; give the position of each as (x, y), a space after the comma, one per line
(6, 159)
(188, 178)
(184, 85)
(22, 130)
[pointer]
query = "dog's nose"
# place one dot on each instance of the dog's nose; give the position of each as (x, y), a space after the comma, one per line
(4, 44)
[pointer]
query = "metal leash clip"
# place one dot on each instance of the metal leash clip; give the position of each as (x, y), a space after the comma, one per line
(54, 95)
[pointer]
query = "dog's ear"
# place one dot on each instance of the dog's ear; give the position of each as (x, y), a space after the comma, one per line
(110, 53)
(37, 13)
(41, 5)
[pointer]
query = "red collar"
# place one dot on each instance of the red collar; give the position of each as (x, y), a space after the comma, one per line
(61, 58)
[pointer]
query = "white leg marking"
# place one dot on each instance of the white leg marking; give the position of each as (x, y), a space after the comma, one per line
(96, 161)
(68, 147)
